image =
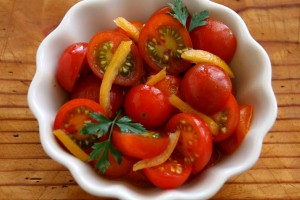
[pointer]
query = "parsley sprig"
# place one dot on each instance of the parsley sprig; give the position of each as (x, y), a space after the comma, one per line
(181, 13)
(105, 126)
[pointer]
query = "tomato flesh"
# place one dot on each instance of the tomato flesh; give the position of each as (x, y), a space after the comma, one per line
(195, 141)
(160, 42)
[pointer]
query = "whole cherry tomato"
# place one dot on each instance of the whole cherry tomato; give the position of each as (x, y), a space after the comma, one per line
(195, 141)
(71, 65)
(160, 42)
(216, 38)
(147, 105)
(100, 51)
(139, 145)
(206, 88)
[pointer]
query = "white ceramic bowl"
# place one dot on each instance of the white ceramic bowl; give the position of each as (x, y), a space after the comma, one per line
(251, 66)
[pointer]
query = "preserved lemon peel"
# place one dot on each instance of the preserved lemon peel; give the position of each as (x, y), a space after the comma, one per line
(111, 73)
(157, 77)
(128, 27)
(184, 107)
(161, 158)
(71, 145)
(200, 56)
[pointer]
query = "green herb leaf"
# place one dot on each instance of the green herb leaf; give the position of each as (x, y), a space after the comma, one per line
(198, 20)
(126, 125)
(100, 128)
(180, 13)
(101, 152)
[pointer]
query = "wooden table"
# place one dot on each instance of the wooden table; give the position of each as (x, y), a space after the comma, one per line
(26, 172)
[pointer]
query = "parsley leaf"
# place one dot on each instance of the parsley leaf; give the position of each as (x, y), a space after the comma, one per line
(126, 125)
(198, 20)
(180, 13)
(105, 126)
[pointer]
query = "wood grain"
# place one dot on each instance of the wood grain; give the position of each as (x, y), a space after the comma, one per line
(26, 172)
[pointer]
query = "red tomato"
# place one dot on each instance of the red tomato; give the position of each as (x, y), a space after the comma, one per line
(71, 117)
(195, 141)
(169, 85)
(159, 42)
(71, 65)
(89, 88)
(137, 24)
(229, 145)
(227, 119)
(116, 170)
(147, 105)
(139, 146)
(100, 51)
(206, 88)
(138, 178)
(216, 38)
(171, 174)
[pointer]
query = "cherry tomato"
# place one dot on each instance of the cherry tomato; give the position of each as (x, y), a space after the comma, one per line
(147, 105)
(71, 65)
(171, 174)
(100, 51)
(160, 42)
(72, 116)
(116, 170)
(89, 88)
(195, 142)
(206, 88)
(216, 38)
(227, 119)
(139, 146)
(229, 145)
(170, 85)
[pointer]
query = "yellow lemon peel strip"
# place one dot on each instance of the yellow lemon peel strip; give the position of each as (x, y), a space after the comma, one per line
(128, 27)
(184, 107)
(71, 145)
(161, 158)
(200, 56)
(111, 73)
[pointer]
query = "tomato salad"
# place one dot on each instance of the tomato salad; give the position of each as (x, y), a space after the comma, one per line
(152, 102)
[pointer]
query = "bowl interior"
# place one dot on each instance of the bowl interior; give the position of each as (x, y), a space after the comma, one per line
(251, 66)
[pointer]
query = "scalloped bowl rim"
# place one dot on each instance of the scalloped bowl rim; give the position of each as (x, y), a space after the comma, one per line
(257, 90)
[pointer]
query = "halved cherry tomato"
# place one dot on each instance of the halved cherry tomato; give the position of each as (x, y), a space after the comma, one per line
(195, 142)
(216, 38)
(160, 42)
(171, 174)
(227, 119)
(139, 146)
(116, 170)
(206, 88)
(147, 105)
(100, 51)
(72, 116)
(71, 65)
(89, 88)
(229, 145)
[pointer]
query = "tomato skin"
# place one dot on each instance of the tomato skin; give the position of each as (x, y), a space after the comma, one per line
(162, 45)
(115, 38)
(171, 174)
(230, 144)
(138, 146)
(206, 88)
(170, 85)
(216, 38)
(71, 65)
(147, 105)
(227, 118)
(89, 88)
(195, 142)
